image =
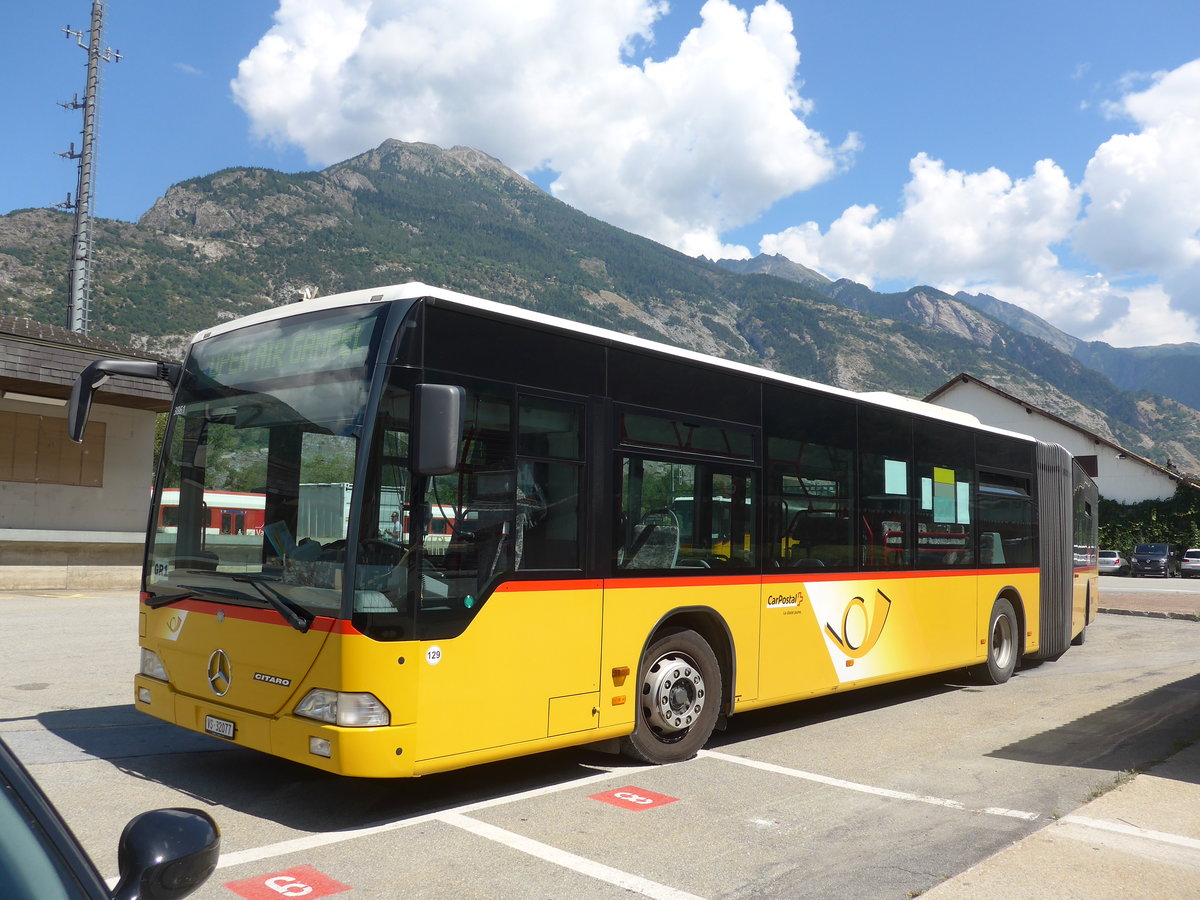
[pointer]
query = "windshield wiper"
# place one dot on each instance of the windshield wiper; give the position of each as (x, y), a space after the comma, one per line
(295, 615)
(166, 599)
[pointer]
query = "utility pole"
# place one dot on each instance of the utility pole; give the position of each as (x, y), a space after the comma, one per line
(79, 300)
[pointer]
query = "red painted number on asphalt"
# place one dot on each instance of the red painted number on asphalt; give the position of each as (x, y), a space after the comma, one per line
(634, 798)
(302, 881)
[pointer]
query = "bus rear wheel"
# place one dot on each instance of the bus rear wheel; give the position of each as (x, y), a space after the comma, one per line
(1002, 645)
(1079, 639)
(679, 699)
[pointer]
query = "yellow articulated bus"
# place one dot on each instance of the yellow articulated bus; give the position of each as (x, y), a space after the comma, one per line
(603, 538)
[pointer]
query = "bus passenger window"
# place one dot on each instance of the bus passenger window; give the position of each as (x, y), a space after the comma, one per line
(811, 444)
(649, 536)
(479, 502)
(885, 464)
(685, 516)
(945, 457)
(811, 499)
(549, 474)
(1004, 513)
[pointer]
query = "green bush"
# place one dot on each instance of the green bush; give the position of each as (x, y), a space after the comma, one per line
(1175, 520)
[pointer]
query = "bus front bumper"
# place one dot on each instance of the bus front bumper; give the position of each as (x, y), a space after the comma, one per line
(383, 752)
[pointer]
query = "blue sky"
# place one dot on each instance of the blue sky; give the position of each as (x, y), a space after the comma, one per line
(1041, 152)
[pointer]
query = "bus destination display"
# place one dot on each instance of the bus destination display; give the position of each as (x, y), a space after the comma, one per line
(289, 347)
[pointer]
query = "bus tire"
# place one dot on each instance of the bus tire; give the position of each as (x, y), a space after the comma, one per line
(678, 700)
(1079, 639)
(1002, 645)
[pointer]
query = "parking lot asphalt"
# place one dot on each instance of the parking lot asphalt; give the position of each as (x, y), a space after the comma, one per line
(1140, 839)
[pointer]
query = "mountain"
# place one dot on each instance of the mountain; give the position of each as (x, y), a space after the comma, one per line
(1168, 369)
(1022, 320)
(243, 239)
(776, 264)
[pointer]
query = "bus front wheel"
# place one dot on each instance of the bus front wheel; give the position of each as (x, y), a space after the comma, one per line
(679, 698)
(1002, 645)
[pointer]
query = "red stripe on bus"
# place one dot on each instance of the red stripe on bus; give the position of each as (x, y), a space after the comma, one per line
(250, 614)
(616, 584)
(584, 584)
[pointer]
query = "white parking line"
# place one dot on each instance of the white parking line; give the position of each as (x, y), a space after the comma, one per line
(866, 788)
(312, 841)
(457, 817)
(567, 860)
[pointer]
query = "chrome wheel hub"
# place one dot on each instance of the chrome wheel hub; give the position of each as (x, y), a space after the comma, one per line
(1002, 640)
(673, 694)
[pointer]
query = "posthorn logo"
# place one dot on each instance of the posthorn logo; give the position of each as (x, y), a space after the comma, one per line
(861, 625)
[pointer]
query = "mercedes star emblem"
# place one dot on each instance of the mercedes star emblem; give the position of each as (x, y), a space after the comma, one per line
(220, 673)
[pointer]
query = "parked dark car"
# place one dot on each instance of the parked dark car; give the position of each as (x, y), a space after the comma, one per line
(1156, 559)
(164, 854)
(1113, 563)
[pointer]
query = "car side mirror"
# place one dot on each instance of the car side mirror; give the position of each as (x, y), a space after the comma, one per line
(166, 854)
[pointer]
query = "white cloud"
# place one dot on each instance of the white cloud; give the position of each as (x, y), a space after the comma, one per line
(1135, 216)
(681, 149)
(954, 226)
(1143, 211)
(1152, 320)
(710, 132)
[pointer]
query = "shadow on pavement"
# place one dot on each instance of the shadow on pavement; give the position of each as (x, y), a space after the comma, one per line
(1130, 735)
(215, 773)
(1133, 734)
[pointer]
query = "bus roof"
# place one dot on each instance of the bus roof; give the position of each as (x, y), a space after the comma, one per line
(414, 290)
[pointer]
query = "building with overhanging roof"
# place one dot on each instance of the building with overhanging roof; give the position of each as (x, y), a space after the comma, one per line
(71, 515)
(1120, 474)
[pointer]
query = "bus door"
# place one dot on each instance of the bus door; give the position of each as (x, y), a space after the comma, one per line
(686, 540)
(509, 629)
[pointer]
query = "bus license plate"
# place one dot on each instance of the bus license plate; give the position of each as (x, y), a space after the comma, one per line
(221, 728)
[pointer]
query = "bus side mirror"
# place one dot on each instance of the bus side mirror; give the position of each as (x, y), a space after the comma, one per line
(440, 409)
(98, 372)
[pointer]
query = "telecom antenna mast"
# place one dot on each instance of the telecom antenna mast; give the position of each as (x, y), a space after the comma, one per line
(80, 300)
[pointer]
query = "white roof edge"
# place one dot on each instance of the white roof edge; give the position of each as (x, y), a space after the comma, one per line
(332, 301)
(415, 289)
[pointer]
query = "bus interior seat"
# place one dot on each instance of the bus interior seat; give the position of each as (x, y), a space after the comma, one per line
(991, 549)
(655, 542)
(807, 564)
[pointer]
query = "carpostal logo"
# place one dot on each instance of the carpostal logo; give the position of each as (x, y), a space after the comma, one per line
(862, 624)
(779, 601)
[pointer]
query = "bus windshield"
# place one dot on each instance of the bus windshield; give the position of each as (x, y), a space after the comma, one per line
(258, 469)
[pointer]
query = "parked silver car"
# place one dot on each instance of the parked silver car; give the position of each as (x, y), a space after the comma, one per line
(1112, 562)
(1190, 564)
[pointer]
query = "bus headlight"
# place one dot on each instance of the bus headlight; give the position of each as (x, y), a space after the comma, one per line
(338, 708)
(152, 666)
